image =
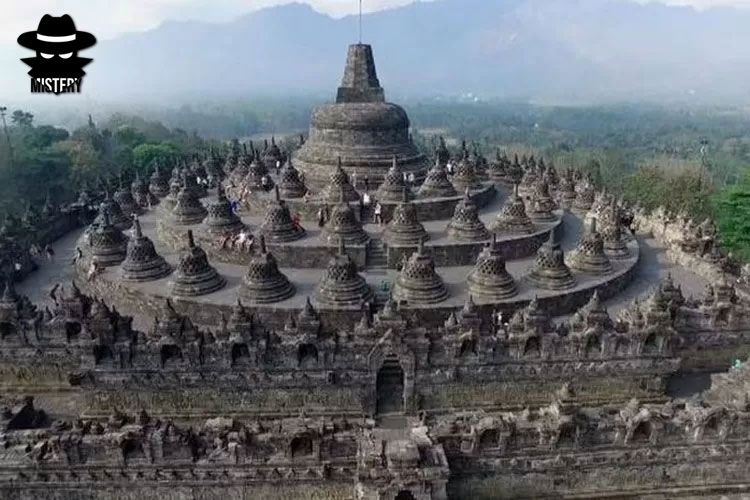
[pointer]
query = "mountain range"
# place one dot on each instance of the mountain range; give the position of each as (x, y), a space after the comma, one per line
(535, 50)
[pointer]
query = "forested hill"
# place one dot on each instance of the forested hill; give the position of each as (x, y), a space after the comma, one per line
(560, 51)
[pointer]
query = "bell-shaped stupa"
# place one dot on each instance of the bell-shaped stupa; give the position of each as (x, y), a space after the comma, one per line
(263, 283)
(194, 275)
(116, 215)
(465, 175)
(512, 219)
(290, 184)
(188, 210)
(489, 281)
(158, 183)
(394, 186)
(142, 263)
(404, 227)
(278, 226)
(418, 283)
(549, 271)
(360, 127)
(221, 219)
(343, 225)
(589, 255)
(342, 286)
(466, 226)
(436, 183)
(338, 181)
(108, 243)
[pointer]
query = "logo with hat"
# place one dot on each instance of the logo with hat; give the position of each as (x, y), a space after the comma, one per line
(56, 69)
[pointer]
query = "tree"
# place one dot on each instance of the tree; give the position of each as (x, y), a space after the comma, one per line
(125, 135)
(146, 154)
(733, 217)
(22, 118)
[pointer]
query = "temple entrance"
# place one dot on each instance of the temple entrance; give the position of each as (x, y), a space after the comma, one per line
(390, 387)
(404, 495)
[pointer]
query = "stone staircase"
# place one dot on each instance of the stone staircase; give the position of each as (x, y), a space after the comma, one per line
(377, 256)
(377, 265)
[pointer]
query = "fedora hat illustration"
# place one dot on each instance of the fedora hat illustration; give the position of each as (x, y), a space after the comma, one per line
(56, 35)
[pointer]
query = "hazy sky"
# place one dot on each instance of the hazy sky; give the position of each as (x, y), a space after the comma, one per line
(109, 18)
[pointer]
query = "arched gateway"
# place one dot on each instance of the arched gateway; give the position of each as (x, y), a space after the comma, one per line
(390, 387)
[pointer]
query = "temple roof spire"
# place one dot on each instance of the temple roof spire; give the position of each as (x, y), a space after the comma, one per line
(360, 82)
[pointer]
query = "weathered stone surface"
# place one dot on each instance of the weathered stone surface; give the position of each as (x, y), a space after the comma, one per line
(418, 283)
(394, 187)
(615, 245)
(290, 184)
(589, 255)
(159, 183)
(343, 225)
(142, 263)
(188, 210)
(127, 203)
(263, 283)
(108, 243)
(489, 281)
(550, 271)
(141, 193)
(272, 155)
(361, 128)
(465, 224)
(116, 216)
(436, 184)
(585, 195)
(277, 226)
(338, 182)
(465, 176)
(342, 286)
(542, 204)
(404, 228)
(169, 201)
(194, 275)
(221, 219)
(512, 219)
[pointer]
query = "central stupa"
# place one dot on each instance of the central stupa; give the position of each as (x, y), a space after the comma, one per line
(360, 128)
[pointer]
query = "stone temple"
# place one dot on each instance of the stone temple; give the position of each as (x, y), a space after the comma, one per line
(361, 128)
(483, 342)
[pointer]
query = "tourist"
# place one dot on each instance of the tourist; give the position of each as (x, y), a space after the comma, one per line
(94, 271)
(321, 217)
(265, 181)
(49, 252)
(378, 213)
(278, 167)
(367, 182)
(364, 206)
(78, 256)
(410, 179)
(296, 219)
(235, 206)
(354, 179)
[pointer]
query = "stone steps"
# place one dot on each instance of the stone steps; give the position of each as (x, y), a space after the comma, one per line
(377, 257)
